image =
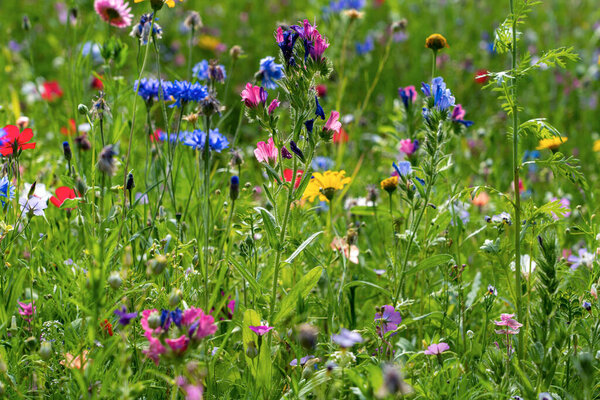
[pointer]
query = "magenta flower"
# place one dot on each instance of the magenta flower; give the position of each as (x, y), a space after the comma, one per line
(332, 123)
(266, 152)
(279, 35)
(437, 348)
(155, 348)
(274, 104)
(203, 326)
(408, 95)
(320, 44)
(27, 310)
(145, 315)
(408, 146)
(512, 325)
(387, 320)
(260, 330)
(253, 95)
(179, 345)
(458, 115)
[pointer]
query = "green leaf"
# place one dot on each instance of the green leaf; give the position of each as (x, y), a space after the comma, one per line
(433, 261)
(364, 211)
(261, 367)
(272, 173)
(302, 289)
(246, 275)
(302, 247)
(539, 128)
(270, 224)
(566, 166)
(365, 283)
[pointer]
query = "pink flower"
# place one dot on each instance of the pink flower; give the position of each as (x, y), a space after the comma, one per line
(260, 330)
(203, 326)
(332, 123)
(264, 152)
(179, 345)
(274, 104)
(253, 95)
(319, 46)
(279, 35)
(408, 146)
(437, 348)
(145, 315)
(115, 12)
(27, 310)
(512, 324)
(155, 349)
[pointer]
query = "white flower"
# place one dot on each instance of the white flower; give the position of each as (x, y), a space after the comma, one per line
(528, 265)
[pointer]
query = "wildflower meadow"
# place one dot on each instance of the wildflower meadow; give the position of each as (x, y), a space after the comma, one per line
(279, 199)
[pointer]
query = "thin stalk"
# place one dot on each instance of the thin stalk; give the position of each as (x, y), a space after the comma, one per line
(515, 162)
(206, 206)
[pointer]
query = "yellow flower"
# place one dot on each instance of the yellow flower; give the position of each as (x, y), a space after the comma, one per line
(208, 42)
(551, 143)
(157, 4)
(436, 42)
(390, 184)
(597, 145)
(325, 185)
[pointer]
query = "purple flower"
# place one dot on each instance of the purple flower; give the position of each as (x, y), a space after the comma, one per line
(260, 330)
(584, 258)
(285, 153)
(408, 95)
(458, 115)
(437, 348)
(303, 360)
(347, 338)
(125, 317)
(387, 320)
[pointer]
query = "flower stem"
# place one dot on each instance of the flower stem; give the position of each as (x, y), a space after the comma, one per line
(206, 206)
(515, 161)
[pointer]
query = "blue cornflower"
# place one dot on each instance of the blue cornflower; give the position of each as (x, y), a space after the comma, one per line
(200, 70)
(197, 138)
(148, 88)
(321, 163)
(403, 168)
(7, 191)
(341, 5)
(366, 47)
(270, 72)
(185, 92)
(442, 96)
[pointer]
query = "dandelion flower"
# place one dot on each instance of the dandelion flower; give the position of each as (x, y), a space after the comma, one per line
(390, 184)
(436, 42)
(325, 185)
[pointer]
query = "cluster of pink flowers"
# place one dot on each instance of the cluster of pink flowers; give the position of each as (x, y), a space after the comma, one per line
(170, 333)
(512, 325)
(27, 310)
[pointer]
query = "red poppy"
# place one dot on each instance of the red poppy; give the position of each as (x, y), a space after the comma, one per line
(62, 193)
(287, 175)
(107, 326)
(70, 130)
(340, 136)
(321, 90)
(51, 91)
(97, 83)
(15, 139)
(481, 76)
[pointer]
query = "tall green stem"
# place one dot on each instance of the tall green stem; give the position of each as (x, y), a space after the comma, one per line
(515, 161)
(206, 206)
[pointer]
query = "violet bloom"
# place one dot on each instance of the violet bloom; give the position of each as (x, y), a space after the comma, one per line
(125, 317)
(403, 168)
(179, 345)
(458, 115)
(265, 152)
(387, 320)
(274, 104)
(583, 258)
(333, 123)
(511, 324)
(437, 348)
(347, 338)
(252, 96)
(303, 360)
(286, 41)
(408, 95)
(285, 153)
(260, 330)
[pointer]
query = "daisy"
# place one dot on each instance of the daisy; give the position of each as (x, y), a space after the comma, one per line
(115, 12)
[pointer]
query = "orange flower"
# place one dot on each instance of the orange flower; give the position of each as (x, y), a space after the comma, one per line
(79, 362)
(481, 199)
(436, 42)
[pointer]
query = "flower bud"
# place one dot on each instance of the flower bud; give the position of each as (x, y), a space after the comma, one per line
(235, 52)
(114, 280)
(234, 188)
(175, 297)
(46, 350)
(154, 320)
(307, 336)
(67, 151)
(157, 265)
(82, 109)
(130, 182)
(252, 351)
